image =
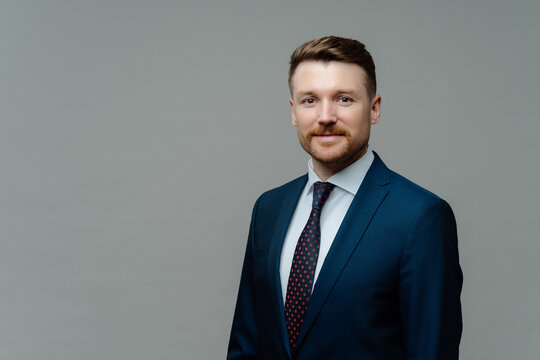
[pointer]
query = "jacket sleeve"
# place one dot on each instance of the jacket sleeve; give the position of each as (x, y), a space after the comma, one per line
(430, 286)
(244, 339)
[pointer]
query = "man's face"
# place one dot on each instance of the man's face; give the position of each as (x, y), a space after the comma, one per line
(332, 112)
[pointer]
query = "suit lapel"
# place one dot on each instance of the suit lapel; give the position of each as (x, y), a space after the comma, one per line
(283, 220)
(364, 206)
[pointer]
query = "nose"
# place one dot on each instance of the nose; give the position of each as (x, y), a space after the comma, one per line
(327, 114)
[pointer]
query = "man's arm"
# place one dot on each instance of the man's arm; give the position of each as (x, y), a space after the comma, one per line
(430, 286)
(244, 340)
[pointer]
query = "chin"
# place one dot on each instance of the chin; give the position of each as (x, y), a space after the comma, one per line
(330, 157)
(329, 154)
(337, 157)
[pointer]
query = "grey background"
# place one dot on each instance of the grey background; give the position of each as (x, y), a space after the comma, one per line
(135, 137)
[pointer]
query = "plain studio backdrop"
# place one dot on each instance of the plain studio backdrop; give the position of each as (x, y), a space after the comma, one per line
(135, 137)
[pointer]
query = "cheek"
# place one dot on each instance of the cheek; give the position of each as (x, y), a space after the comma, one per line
(302, 124)
(360, 120)
(305, 116)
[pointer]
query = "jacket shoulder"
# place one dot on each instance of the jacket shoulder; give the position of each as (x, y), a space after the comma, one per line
(410, 189)
(415, 202)
(408, 193)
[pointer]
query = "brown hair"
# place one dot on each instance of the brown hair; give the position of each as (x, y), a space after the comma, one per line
(334, 48)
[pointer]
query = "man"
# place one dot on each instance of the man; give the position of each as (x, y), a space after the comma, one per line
(351, 261)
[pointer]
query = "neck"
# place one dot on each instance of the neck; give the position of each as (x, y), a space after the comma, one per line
(326, 170)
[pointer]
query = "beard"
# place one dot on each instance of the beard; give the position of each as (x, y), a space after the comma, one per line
(337, 155)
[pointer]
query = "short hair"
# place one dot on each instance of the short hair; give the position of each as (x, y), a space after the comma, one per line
(334, 48)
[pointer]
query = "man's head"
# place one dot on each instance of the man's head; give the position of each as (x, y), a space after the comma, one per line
(333, 101)
(333, 48)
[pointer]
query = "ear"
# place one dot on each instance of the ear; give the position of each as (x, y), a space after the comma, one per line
(375, 109)
(293, 117)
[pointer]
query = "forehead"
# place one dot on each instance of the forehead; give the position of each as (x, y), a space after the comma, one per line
(312, 76)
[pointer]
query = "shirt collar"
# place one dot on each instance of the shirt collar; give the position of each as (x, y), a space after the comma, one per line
(348, 179)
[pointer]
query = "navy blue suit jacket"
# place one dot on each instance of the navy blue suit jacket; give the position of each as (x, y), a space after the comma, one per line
(389, 287)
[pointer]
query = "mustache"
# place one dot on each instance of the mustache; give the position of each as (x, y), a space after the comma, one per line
(328, 130)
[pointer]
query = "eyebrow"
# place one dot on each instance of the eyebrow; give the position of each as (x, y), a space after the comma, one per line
(338, 91)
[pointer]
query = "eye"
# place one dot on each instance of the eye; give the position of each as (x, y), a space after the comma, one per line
(308, 101)
(344, 99)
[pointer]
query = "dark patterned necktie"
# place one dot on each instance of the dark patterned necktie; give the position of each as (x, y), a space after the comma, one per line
(304, 264)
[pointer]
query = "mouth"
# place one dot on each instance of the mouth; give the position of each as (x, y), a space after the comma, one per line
(329, 137)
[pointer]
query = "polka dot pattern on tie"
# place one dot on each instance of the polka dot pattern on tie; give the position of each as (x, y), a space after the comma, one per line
(304, 263)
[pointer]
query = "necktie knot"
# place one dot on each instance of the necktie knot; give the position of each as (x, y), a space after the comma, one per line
(321, 192)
